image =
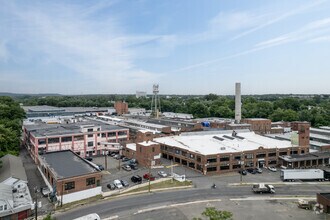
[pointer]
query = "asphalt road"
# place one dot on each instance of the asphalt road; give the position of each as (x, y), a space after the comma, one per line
(131, 204)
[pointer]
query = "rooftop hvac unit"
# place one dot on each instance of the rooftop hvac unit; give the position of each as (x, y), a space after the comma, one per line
(222, 148)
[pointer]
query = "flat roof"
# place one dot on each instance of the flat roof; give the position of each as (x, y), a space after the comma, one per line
(46, 130)
(302, 157)
(145, 124)
(65, 164)
(131, 146)
(147, 143)
(12, 166)
(222, 142)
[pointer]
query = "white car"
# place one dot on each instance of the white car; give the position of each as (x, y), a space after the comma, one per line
(273, 169)
(162, 174)
(118, 184)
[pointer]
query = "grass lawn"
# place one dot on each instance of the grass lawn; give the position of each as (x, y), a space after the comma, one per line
(164, 184)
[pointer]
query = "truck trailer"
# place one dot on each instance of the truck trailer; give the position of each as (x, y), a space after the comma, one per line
(303, 174)
(263, 188)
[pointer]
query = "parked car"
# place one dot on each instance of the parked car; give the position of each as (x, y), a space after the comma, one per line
(113, 154)
(273, 169)
(136, 179)
(111, 186)
(125, 159)
(133, 166)
(149, 177)
(100, 166)
(243, 172)
(127, 167)
(124, 183)
(89, 158)
(259, 170)
(132, 161)
(117, 184)
(45, 191)
(117, 157)
(250, 170)
(162, 173)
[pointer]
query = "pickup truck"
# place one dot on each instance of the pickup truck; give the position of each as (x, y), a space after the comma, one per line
(263, 188)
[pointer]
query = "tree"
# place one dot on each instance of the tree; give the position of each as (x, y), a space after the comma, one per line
(212, 213)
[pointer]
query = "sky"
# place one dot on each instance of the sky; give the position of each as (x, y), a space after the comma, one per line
(187, 47)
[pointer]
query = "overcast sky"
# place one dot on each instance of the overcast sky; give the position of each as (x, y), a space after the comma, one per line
(187, 46)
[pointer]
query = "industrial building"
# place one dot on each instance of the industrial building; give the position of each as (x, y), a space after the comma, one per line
(121, 107)
(147, 153)
(86, 137)
(225, 151)
(69, 177)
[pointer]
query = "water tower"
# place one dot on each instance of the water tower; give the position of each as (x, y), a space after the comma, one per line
(155, 102)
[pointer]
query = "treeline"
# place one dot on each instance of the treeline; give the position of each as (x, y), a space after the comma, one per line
(313, 108)
(11, 115)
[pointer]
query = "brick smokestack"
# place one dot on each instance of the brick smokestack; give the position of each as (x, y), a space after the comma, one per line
(238, 103)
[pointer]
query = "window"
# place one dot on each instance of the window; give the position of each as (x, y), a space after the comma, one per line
(211, 160)
(153, 149)
(5, 207)
(66, 139)
(211, 169)
(273, 154)
(79, 138)
(1, 207)
(104, 135)
(249, 156)
(90, 135)
(262, 155)
(90, 181)
(41, 141)
(69, 185)
(53, 140)
(140, 149)
(90, 130)
(225, 158)
(224, 167)
(112, 134)
(237, 157)
(90, 143)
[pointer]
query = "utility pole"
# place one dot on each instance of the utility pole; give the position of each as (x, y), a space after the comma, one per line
(172, 170)
(149, 175)
(36, 202)
(62, 194)
(105, 160)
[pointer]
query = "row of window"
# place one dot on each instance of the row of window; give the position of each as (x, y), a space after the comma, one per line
(78, 138)
(89, 182)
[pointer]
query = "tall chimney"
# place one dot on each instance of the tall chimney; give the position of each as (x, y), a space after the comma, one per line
(238, 103)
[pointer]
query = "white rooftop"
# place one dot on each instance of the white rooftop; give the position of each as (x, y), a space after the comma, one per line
(147, 143)
(222, 142)
(131, 146)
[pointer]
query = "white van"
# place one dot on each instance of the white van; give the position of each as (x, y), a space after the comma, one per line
(118, 184)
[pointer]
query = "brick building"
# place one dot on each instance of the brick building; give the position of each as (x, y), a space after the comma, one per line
(225, 151)
(69, 177)
(121, 108)
(86, 138)
(146, 153)
(259, 125)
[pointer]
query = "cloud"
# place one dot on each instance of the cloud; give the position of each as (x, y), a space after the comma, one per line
(63, 36)
(280, 17)
(320, 39)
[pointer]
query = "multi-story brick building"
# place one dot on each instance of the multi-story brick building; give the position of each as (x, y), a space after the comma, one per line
(68, 176)
(121, 107)
(225, 151)
(147, 153)
(259, 125)
(86, 138)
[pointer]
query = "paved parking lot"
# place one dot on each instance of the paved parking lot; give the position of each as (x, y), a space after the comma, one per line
(199, 180)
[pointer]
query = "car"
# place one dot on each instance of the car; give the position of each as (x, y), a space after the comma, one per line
(132, 161)
(121, 156)
(250, 170)
(127, 167)
(100, 166)
(117, 184)
(259, 170)
(111, 186)
(113, 154)
(136, 179)
(125, 159)
(89, 158)
(149, 177)
(273, 169)
(162, 173)
(45, 191)
(243, 172)
(117, 157)
(124, 183)
(133, 166)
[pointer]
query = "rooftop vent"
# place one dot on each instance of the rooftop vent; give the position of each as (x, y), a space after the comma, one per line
(226, 136)
(223, 148)
(218, 138)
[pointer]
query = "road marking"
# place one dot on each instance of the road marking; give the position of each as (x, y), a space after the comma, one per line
(176, 205)
(270, 198)
(111, 217)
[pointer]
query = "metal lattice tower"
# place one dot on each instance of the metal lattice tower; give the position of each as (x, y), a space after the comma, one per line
(155, 102)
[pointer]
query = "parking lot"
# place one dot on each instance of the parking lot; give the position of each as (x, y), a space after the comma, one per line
(199, 180)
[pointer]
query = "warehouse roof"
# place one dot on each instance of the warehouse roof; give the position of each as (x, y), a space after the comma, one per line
(43, 130)
(12, 166)
(65, 164)
(222, 142)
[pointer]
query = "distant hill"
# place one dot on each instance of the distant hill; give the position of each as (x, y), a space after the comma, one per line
(23, 94)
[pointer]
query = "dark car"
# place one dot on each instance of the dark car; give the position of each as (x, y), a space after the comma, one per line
(243, 172)
(125, 159)
(89, 158)
(136, 179)
(100, 167)
(133, 166)
(111, 186)
(124, 183)
(149, 177)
